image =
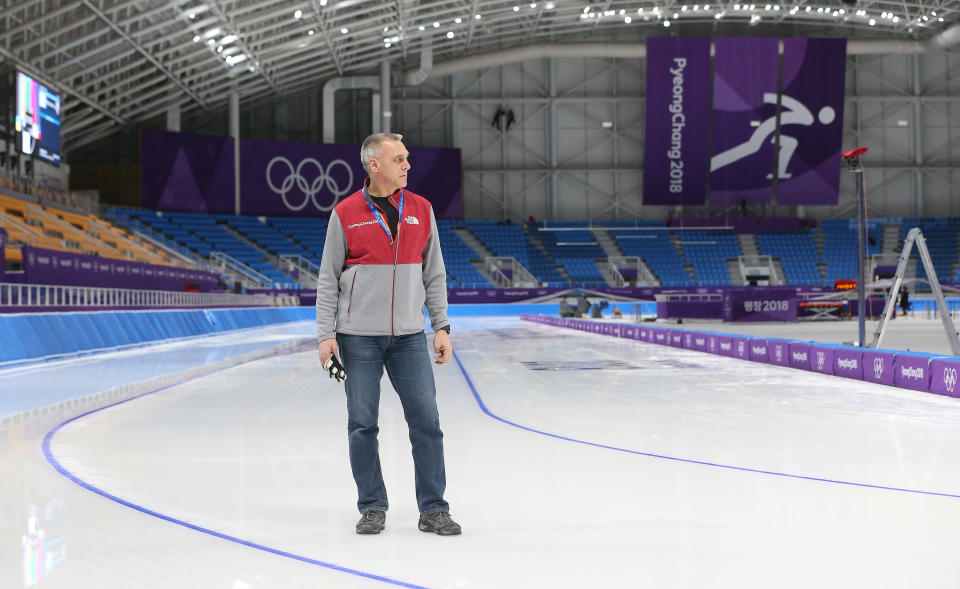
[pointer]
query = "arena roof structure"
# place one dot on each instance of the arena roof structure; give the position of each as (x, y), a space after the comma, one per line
(119, 62)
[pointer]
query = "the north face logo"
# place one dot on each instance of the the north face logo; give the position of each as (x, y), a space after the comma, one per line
(411, 220)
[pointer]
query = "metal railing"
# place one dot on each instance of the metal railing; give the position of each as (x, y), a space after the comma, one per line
(301, 269)
(759, 266)
(507, 272)
(643, 275)
(13, 296)
(185, 260)
(249, 277)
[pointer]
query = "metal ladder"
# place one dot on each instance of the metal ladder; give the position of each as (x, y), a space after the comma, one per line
(916, 236)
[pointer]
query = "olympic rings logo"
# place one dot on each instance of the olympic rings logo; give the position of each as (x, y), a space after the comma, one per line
(878, 367)
(309, 188)
(950, 378)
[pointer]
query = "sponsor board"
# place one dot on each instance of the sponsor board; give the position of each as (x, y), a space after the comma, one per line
(799, 355)
(943, 377)
(848, 363)
(912, 371)
(759, 350)
(821, 359)
(878, 367)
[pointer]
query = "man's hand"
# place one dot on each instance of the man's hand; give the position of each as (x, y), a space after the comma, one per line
(441, 345)
(329, 358)
(328, 347)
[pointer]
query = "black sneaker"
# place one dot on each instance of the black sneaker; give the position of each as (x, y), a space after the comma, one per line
(439, 523)
(372, 522)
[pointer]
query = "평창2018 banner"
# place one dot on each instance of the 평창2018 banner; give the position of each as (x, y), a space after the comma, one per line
(811, 121)
(677, 121)
(744, 120)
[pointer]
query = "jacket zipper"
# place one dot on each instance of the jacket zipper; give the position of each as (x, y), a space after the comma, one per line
(352, 285)
(393, 289)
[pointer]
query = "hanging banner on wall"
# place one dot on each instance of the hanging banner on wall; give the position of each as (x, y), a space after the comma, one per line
(286, 178)
(677, 121)
(194, 173)
(744, 120)
(186, 173)
(309, 179)
(811, 121)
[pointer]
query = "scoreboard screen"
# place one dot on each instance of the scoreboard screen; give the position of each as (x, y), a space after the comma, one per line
(37, 120)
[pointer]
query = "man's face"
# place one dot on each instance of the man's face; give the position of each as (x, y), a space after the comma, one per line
(392, 165)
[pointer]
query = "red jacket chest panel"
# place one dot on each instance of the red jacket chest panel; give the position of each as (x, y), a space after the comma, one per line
(367, 242)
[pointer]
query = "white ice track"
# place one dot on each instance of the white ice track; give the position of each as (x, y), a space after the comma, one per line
(258, 454)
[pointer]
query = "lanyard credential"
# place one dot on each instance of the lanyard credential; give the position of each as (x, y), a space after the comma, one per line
(379, 218)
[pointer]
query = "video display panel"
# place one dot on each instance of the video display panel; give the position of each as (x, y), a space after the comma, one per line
(37, 120)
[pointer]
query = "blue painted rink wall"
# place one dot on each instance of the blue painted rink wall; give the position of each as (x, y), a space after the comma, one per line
(908, 370)
(28, 337)
(32, 337)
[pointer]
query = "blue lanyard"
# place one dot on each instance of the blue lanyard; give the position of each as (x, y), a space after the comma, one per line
(379, 218)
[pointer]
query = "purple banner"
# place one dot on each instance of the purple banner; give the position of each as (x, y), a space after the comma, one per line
(713, 343)
(848, 362)
(660, 337)
(821, 359)
(759, 350)
(42, 266)
(799, 355)
(3, 254)
(912, 371)
(678, 121)
(676, 338)
(744, 120)
(725, 346)
(943, 377)
(811, 121)
(688, 340)
(740, 348)
(699, 342)
(308, 179)
(778, 352)
(186, 173)
(689, 309)
(770, 304)
(194, 173)
(878, 367)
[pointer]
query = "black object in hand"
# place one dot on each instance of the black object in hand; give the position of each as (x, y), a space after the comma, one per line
(335, 368)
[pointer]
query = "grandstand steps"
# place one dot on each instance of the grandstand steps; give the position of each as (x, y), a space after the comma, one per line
(748, 244)
(891, 242)
(733, 267)
(608, 243)
(779, 275)
(270, 258)
(603, 264)
(676, 240)
(475, 244)
(274, 260)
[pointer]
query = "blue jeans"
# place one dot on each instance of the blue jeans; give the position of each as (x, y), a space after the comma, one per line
(407, 361)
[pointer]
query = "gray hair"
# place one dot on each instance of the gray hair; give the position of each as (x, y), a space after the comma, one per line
(371, 147)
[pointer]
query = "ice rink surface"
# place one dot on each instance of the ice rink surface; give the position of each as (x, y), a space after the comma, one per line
(573, 460)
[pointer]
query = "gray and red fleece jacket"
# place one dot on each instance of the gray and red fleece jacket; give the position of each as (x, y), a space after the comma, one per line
(372, 285)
